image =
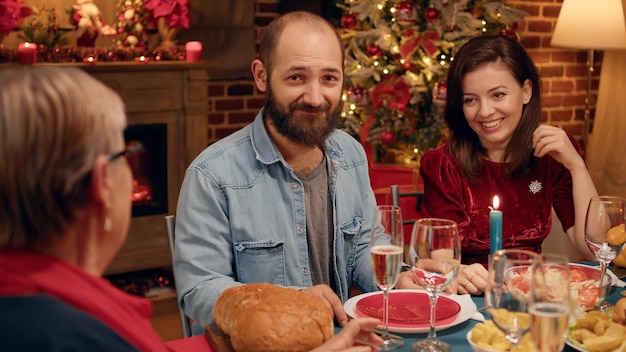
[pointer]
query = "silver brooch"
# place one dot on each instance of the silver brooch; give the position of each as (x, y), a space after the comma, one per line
(535, 187)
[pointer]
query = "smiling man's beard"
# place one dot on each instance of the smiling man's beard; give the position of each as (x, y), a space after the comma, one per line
(299, 127)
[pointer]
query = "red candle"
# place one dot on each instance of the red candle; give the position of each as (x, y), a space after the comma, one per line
(193, 51)
(27, 53)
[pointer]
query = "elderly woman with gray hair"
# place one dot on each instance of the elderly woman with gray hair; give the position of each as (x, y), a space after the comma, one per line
(65, 208)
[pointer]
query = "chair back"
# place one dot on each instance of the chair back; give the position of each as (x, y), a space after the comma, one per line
(397, 194)
(410, 210)
(185, 324)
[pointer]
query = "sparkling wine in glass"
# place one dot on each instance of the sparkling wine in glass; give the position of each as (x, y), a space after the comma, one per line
(507, 293)
(435, 254)
(605, 218)
(550, 302)
(387, 248)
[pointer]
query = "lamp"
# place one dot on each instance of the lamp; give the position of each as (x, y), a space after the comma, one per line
(590, 25)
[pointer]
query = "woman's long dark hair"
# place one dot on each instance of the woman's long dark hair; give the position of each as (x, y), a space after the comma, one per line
(464, 143)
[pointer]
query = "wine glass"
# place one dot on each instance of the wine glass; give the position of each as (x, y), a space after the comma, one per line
(435, 255)
(508, 290)
(605, 218)
(387, 249)
(550, 302)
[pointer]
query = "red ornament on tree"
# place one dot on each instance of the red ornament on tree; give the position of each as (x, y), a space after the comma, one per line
(373, 51)
(388, 138)
(348, 20)
(405, 13)
(440, 90)
(432, 15)
(358, 96)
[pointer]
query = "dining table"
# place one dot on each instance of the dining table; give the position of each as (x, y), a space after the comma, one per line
(456, 335)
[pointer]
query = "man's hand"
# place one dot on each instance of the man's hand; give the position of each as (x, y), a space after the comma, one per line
(407, 280)
(331, 300)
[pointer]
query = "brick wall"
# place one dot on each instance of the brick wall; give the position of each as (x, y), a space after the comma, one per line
(563, 72)
(235, 103)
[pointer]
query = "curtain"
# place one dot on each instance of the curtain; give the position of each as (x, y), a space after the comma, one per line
(606, 157)
(606, 153)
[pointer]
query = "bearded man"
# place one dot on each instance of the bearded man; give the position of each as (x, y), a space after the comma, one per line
(287, 199)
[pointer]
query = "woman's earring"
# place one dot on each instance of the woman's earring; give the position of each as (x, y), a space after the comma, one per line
(108, 224)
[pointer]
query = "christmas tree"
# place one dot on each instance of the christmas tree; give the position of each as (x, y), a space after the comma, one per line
(130, 25)
(397, 55)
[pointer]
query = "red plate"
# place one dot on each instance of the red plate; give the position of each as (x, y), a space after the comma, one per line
(408, 308)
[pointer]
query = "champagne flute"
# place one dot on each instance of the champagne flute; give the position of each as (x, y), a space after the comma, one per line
(550, 302)
(387, 251)
(508, 290)
(435, 255)
(605, 217)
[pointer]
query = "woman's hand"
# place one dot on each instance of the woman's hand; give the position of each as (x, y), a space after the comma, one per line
(407, 280)
(330, 300)
(472, 279)
(356, 336)
(553, 141)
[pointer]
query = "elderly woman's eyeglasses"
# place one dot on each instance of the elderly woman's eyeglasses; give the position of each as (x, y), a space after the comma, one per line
(130, 149)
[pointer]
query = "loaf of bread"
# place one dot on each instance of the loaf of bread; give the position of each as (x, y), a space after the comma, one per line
(266, 317)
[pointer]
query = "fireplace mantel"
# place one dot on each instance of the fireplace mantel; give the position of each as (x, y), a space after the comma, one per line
(175, 94)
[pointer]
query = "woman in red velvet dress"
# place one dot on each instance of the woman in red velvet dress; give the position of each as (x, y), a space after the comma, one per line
(497, 147)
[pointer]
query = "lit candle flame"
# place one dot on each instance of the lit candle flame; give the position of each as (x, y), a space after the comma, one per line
(496, 203)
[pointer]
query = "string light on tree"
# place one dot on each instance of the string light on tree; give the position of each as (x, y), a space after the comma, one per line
(400, 50)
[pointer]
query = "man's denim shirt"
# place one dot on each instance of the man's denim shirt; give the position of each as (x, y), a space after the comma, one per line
(241, 219)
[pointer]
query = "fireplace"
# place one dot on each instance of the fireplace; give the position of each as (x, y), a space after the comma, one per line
(166, 108)
(149, 165)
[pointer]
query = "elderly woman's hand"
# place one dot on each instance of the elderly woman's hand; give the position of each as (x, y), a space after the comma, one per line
(357, 336)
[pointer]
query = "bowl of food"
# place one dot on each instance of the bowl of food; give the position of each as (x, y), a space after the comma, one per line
(486, 337)
(589, 286)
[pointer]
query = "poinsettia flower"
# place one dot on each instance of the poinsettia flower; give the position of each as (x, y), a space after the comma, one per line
(176, 11)
(12, 14)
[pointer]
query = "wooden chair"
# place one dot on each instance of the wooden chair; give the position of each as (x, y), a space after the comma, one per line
(185, 323)
(397, 194)
(409, 216)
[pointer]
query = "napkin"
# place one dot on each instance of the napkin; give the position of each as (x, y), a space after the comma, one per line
(478, 316)
(616, 280)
